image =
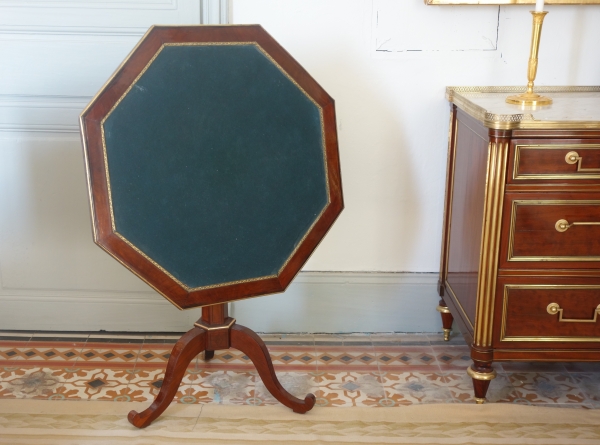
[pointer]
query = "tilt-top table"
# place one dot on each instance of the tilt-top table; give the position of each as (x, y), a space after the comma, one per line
(213, 174)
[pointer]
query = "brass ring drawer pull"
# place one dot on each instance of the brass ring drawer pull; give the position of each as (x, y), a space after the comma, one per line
(554, 308)
(562, 225)
(573, 157)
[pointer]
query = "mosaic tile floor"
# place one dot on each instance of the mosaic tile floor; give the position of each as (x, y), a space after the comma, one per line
(377, 370)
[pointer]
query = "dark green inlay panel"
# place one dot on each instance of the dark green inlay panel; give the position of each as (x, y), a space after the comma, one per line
(216, 164)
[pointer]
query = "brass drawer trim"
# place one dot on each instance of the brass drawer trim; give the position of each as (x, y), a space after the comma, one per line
(508, 287)
(583, 173)
(573, 157)
(530, 202)
(562, 225)
(554, 308)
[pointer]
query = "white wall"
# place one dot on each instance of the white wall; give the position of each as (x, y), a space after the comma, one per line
(392, 115)
(385, 62)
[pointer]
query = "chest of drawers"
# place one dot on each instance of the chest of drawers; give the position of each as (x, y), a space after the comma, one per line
(520, 263)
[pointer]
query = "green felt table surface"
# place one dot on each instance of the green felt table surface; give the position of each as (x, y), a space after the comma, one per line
(216, 164)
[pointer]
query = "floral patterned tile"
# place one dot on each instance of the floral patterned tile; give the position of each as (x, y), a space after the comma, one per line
(461, 388)
(220, 387)
(372, 370)
(30, 383)
(547, 388)
(412, 387)
(296, 383)
(8, 373)
(589, 383)
(146, 384)
(349, 389)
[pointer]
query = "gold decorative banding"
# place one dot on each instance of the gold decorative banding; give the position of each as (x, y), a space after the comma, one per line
(490, 242)
(554, 308)
(215, 328)
(561, 225)
(573, 158)
(588, 173)
(461, 96)
(481, 375)
(550, 309)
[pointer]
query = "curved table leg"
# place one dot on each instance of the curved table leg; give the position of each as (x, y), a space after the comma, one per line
(251, 344)
(191, 344)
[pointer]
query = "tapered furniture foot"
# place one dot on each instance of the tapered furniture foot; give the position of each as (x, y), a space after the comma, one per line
(447, 319)
(208, 355)
(481, 374)
(188, 347)
(251, 344)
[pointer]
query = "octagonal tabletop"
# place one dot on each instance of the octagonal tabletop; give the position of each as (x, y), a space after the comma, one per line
(212, 164)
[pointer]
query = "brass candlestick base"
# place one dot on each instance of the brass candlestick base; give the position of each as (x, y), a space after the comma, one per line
(530, 98)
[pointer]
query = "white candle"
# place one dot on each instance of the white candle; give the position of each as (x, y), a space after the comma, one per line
(539, 5)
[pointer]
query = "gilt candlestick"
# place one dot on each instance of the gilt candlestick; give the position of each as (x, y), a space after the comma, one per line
(529, 98)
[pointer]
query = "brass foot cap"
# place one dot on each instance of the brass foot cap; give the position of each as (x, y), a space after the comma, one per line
(447, 334)
(481, 375)
(479, 400)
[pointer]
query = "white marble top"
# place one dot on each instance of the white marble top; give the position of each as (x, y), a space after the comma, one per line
(572, 107)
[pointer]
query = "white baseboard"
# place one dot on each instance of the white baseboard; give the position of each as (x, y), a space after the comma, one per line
(314, 302)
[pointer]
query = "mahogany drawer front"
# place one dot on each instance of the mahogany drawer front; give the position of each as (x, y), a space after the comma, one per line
(550, 313)
(552, 161)
(549, 228)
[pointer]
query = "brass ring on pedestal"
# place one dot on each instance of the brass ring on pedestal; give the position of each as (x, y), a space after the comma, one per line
(442, 309)
(481, 375)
